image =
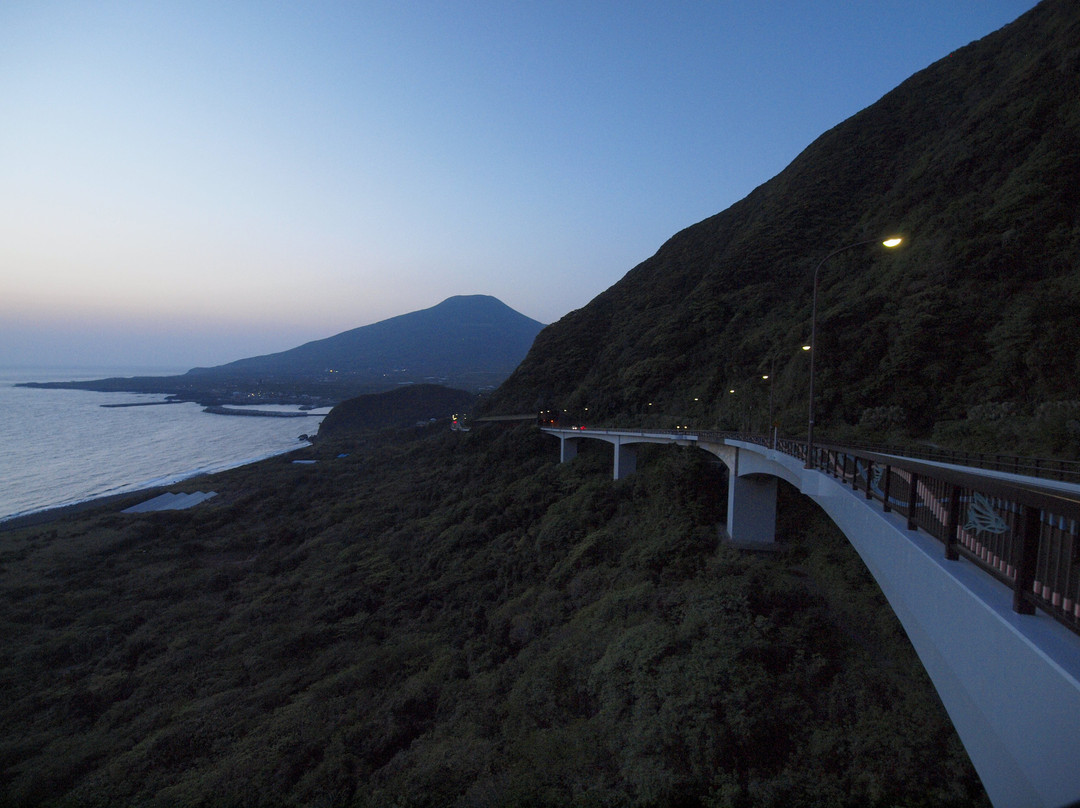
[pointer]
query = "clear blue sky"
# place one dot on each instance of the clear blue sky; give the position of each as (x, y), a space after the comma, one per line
(187, 183)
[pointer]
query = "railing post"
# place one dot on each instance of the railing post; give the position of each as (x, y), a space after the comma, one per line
(1027, 557)
(912, 501)
(869, 474)
(886, 488)
(954, 523)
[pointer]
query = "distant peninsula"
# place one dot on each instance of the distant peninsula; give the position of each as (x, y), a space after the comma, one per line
(467, 342)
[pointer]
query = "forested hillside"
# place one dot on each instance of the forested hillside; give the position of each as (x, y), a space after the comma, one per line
(975, 160)
(456, 619)
(402, 407)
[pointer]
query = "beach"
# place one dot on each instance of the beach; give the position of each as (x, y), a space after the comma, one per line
(73, 448)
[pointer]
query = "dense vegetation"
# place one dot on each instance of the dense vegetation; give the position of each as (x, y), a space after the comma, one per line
(405, 406)
(964, 336)
(454, 619)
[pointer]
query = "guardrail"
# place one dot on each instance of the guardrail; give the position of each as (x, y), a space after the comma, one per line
(1023, 533)
(1043, 468)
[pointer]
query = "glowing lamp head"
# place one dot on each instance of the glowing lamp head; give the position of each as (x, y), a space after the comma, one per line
(895, 241)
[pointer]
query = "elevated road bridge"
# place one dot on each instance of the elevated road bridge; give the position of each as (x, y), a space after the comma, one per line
(981, 567)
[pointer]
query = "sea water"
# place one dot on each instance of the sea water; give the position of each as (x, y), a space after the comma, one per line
(60, 447)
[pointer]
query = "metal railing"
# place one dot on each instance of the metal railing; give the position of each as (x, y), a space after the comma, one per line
(1025, 534)
(1026, 466)
(1041, 467)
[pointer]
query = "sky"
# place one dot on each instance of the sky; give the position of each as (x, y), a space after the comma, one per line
(188, 183)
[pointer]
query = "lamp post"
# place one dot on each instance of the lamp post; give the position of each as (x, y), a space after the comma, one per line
(890, 243)
(770, 426)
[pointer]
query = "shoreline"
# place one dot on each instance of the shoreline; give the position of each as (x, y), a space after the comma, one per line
(142, 404)
(52, 513)
(222, 410)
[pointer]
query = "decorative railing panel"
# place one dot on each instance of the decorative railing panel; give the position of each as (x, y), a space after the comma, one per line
(1024, 534)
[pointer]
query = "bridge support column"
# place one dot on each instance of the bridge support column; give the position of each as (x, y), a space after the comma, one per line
(625, 460)
(567, 448)
(751, 511)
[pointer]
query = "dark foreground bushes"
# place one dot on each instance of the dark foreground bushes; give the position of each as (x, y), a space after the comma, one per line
(455, 619)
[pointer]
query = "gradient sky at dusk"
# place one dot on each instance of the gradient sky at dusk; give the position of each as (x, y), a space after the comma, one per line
(188, 183)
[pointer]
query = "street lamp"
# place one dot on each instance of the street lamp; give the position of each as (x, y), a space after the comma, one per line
(768, 377)
(893, 241)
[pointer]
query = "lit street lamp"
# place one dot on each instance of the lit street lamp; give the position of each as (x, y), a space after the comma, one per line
(889, 243)
(768, 377)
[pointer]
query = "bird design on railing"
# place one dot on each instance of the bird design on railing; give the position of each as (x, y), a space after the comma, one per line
(875, 484)
(982, 518)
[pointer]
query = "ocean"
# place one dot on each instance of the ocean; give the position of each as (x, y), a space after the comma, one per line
(61, 447)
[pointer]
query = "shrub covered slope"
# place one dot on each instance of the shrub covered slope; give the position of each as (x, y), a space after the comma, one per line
(455, 619)
(396, 408)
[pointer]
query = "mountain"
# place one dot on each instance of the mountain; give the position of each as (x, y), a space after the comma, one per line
(975, 159)
(466, 341)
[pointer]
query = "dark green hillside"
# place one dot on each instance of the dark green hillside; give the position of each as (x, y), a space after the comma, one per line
(455, 619)
(976, 160)
(402, 407)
